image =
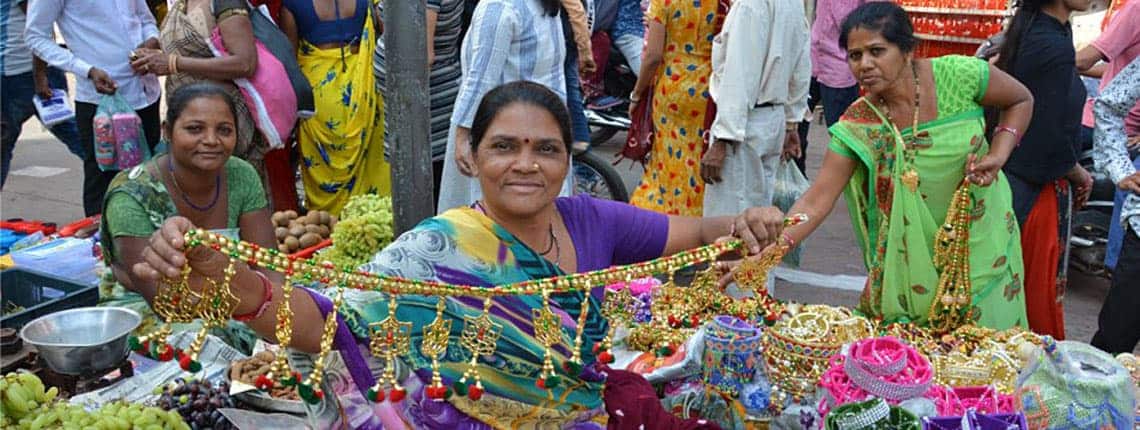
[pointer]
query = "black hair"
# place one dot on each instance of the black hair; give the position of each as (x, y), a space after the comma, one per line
(525, 92)
(887, 18)
(1027, 12)
(551, 7)
(190, 92)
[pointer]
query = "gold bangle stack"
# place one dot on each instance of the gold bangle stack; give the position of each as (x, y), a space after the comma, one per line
(797, 350)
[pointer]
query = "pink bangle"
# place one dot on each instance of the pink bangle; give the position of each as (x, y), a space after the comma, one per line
(267, 297)
(788, 240)
(1010, 130)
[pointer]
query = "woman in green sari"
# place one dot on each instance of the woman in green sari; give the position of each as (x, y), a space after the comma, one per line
(198, 179)
(900, 184)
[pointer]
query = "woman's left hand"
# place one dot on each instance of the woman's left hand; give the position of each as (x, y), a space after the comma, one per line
(151, 61)
(984, 172)
(758, 227)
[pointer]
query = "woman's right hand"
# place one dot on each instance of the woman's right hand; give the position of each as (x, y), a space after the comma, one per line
(165, 255)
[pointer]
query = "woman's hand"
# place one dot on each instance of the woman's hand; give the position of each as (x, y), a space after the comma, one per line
(151, 61)
(984, 172)
(165, 255)
(758, 227)
(1130, 183)
(1082, 183)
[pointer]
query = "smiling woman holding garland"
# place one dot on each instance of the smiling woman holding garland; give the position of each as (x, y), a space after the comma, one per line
(519, 231)
(200, 180)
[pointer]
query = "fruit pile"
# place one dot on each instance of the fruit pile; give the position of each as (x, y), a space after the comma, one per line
(197, 402)
(250, 369)
(295, 233)
(365, 228)
(27, 405)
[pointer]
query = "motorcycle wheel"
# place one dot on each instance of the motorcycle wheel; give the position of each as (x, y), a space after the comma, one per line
(595, 177)
(601, 135)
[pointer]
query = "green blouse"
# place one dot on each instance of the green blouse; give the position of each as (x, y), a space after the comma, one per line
(137, 202)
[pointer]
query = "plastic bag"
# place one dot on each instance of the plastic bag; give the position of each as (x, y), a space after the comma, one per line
(790, 185)
(120, 141)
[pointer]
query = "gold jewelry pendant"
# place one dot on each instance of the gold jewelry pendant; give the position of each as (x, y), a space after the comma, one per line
(548, 332)
(479, 337)
(436, 337)
(390, 338)
(911, 180)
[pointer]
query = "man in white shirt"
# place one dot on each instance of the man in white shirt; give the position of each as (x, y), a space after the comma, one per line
(761, 74)
(101, 36)
(25, 77)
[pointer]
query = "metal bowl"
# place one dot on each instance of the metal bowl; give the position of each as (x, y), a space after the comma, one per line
(82, 341)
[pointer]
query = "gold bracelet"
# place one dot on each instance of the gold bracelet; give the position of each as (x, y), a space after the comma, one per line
(173, 60)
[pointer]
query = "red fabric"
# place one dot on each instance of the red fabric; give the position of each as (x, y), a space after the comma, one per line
(273, 5)
(1041, 251)
(632, 404)
(593, 84)
(282, 182)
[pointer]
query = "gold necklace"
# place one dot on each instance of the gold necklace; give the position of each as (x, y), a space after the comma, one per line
(910, 177)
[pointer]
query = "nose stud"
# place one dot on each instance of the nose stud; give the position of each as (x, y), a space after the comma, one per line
(535, 166)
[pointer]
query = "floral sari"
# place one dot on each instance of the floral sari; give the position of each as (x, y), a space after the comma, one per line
(342, 145)
(462, 246)
(896, 224)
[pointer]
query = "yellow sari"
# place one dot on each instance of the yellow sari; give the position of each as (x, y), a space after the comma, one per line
(342, 146)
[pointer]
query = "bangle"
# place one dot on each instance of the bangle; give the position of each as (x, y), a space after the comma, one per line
(1010, 130)
(788, 240)
(267, 297)
(173, 63)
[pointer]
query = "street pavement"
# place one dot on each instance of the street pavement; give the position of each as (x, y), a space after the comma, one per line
(45, 183)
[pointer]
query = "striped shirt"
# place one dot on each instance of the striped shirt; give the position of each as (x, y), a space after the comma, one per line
(509, 40)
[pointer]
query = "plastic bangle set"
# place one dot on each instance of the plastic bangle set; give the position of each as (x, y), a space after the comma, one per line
(871, 414)
(881, 367)
(886, 368)
(731, 354)
(873, 411)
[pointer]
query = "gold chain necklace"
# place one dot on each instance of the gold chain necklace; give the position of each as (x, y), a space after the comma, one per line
(910, 178)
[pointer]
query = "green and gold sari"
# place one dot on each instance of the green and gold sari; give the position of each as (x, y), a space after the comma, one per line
(896, 217)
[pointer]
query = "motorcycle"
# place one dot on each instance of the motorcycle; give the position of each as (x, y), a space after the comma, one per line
(611, 114)
(592, 174)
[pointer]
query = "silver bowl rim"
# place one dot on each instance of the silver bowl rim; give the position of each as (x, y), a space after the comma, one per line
(133, 326)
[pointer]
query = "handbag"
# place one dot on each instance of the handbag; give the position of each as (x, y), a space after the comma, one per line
(275, 41)
(640, 138)
(266, 93)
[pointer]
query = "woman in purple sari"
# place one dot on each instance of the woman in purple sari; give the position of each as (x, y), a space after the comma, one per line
(519, 231)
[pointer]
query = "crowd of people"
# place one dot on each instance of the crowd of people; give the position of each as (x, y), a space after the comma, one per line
(731, 86)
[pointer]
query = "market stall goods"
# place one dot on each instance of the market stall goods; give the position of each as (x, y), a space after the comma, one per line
(295, 233)
(176, 302)
(253, 370)
(198, 402)
(366, 226)
(27, 405)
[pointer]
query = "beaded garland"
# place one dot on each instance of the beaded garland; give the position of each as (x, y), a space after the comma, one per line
(215, 304)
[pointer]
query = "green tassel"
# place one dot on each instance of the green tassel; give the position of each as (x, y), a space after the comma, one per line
(459, 388)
